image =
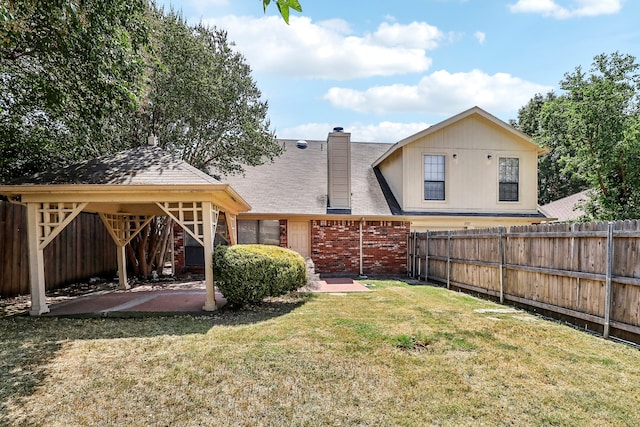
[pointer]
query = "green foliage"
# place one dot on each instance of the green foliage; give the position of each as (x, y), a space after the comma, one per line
(69, 71)
(593, 133)
(595, 125)
(201, 101)
(80, 79)
(556, 177)
(247, 274)
(283, 7)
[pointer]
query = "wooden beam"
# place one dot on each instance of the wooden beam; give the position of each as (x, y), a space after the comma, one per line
(36, 262)
(123, 280)
(53, 217)
(210, 220)
(231, 227)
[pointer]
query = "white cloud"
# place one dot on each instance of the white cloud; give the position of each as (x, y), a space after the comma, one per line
(419, 35)
(328, 49)
(579, 8)
(379, 132)
(480, 36)
(440, 93)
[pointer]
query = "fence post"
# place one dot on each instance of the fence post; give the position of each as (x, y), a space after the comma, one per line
(416, 248)
(426, 258)
(501, 261)
(449, 259)
(409, 254)
(609, 273)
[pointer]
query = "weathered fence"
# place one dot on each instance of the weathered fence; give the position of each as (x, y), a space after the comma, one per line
(588, 272)
(82, 250)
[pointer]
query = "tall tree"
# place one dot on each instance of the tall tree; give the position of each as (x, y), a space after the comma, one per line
(596, 124)
(201, 100)
(557, 178)
(80, 78)
(202, 103)
(68, 68)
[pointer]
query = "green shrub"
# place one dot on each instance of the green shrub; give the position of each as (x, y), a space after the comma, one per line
(247, 274)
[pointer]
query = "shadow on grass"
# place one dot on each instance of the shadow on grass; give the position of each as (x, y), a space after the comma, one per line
(29, 344)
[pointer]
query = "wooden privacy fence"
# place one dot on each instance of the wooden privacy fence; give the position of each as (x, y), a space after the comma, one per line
(585, 271)
(83, 249)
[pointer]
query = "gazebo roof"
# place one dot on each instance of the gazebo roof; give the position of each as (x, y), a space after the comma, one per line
(127, 189)
(148, 165)
(138, 176)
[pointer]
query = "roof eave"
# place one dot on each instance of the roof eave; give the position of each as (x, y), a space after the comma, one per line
(137, 193)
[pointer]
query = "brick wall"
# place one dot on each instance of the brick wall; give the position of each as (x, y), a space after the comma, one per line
(179, 258)
(283, 234)
(178, 249)
(335, 247)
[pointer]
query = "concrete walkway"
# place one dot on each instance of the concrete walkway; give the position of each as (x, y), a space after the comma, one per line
(180, 300)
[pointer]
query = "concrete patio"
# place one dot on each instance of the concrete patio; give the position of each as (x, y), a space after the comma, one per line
(184, 298)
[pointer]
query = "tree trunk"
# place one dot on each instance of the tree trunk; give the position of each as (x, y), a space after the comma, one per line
(147, 250)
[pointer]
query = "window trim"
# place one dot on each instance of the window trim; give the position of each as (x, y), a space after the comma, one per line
(517, 183)
(444, 181)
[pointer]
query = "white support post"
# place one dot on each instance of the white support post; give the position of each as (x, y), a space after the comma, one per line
(208, 230)
(123, 281)
(36, 263)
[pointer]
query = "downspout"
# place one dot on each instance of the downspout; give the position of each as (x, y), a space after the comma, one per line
(361, 254)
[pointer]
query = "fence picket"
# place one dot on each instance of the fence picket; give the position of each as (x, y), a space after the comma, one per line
(82, 250)
(586, 271)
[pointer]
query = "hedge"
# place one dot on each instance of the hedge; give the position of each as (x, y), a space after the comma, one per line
(247, 274)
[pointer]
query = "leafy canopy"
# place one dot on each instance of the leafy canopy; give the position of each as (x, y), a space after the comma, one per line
(595, 127)
(81, 78)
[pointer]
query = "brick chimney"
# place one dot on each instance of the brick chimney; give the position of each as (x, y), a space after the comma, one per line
(339, 170)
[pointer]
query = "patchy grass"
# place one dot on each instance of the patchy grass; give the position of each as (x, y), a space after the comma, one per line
(400, 355)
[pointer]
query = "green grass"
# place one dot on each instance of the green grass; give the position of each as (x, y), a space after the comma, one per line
(400, 355)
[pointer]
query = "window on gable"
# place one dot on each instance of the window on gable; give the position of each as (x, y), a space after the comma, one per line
(509, 177)
(434, 177)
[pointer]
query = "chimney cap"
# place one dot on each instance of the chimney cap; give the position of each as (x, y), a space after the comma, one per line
(338, 129)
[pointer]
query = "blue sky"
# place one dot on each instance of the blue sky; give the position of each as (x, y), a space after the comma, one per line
(386, 70)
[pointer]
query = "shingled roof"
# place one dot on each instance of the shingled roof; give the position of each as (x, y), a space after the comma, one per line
(147, 165)
(296, 182)
(566, 209)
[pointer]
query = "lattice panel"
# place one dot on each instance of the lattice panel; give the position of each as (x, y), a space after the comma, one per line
(53, 217)
(123, 228)
(190, 217)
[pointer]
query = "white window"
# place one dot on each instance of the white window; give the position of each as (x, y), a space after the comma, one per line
(266, 232)
(509, 179)
(434, 177)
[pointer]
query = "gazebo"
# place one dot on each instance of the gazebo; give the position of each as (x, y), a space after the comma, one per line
(127, 190)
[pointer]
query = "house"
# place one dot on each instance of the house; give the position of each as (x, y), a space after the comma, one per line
(349, 205)
(567, 209)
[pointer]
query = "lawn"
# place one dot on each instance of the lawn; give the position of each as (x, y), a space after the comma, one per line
(399, 355)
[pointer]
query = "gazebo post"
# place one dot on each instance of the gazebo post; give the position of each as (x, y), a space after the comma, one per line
(123, 281)
(208, 235)
(36, 264)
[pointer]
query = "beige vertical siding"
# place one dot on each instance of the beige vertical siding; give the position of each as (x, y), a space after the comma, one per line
(471, 178)
(339, 170)
(391, 169)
